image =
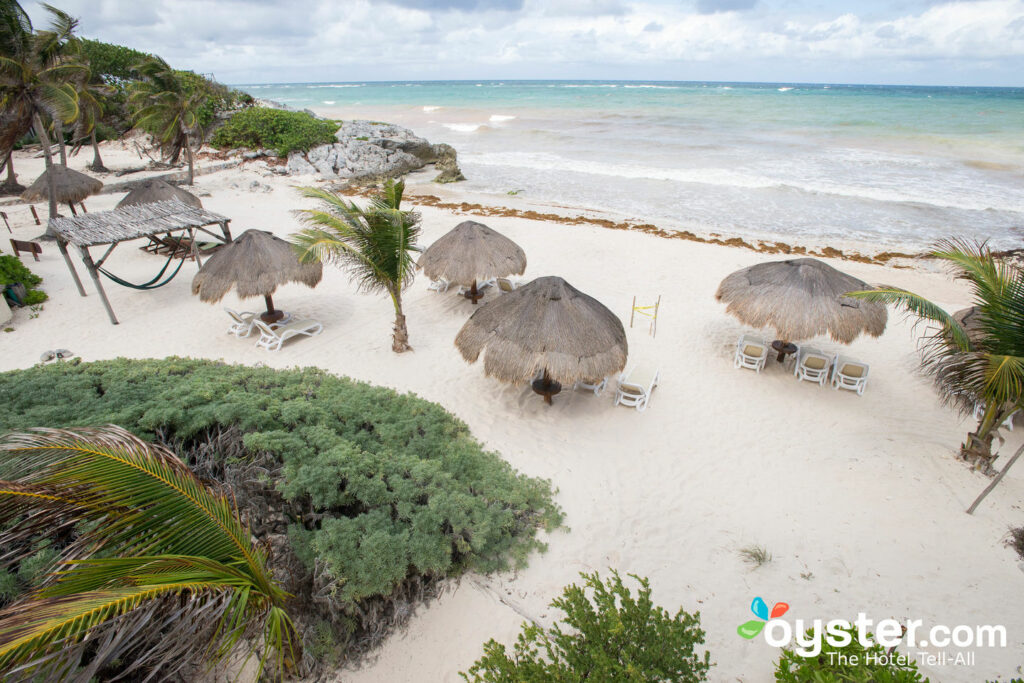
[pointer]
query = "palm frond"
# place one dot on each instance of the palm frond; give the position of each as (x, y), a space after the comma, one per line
(916, 304)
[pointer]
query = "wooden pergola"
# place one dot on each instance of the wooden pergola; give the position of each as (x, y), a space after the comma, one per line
(129, 223)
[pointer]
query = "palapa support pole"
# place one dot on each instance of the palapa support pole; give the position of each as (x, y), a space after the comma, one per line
(271, 316)
(96, 281)
(63, 246)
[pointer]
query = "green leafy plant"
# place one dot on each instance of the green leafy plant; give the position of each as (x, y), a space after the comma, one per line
(850, 664)
(611, 635)
(280, 130)
(158, 555)
(375, 244)
(13, 271)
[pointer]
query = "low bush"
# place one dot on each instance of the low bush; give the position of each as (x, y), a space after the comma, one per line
(852, 663)
(13, 271)
(611, 636)
(375, 495)
(276, 129)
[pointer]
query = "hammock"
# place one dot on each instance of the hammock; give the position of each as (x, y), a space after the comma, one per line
(154, 283)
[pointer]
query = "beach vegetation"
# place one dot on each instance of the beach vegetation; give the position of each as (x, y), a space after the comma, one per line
(852, 663)
(14, 272)
(982, 367)
(1016, 541)
(277, 129)
(156, 554)
(756, 555)
(606, 633)
(369, 498)
(375, 244)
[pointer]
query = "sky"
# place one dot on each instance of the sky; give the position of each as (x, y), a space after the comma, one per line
(923, 42)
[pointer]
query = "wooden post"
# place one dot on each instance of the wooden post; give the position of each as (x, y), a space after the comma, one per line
(654, 321)
(227, 231)
(632, 312)
(63, 246)
(34, 214)
(96, 281)
(72, 207)
(195, 248)
(6, 223)
(82, 204)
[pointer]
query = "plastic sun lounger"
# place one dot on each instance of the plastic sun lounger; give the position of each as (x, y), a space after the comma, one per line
(271, 338)
(751, 352)
(635, 388)
(849, 374)
(439, 286)
(243, 322)
(812, 366)
(595, 385)
(506, 284)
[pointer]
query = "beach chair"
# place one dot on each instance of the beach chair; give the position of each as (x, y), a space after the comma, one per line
(480, 286)
(30, 247)
(595, 385)
(812, 366)
(506, 285)
(243, 322)
(271, 338)
(751, 352)
(635, 388)
(849, 374)
(439, 286)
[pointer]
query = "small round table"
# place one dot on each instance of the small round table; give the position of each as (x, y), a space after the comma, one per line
(271, 317)
(546, 388)
(473, 295)
(784, 348)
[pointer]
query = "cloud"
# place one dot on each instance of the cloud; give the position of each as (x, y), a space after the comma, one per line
(462, 5)
(713, 6)
(654, 27)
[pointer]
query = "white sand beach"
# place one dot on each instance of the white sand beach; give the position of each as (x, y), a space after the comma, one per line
(859, 499)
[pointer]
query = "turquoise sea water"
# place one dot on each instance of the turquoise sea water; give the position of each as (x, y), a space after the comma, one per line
(888, 165)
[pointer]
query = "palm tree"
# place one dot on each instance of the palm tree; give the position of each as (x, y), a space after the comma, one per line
(92, 92)
(163, 573)
(36, 75)
(168, 108)
(984, 368)
(375, 244)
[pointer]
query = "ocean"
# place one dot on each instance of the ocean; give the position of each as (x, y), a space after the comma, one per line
(884, 166)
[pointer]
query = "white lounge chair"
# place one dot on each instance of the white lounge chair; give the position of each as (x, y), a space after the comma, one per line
(595, 385)
(439, 286)
(506, 284)
(242, 325)
(480, 286)
(751, 352)
(849, 374)
(812, 366)
(635, 388)
(271, 338)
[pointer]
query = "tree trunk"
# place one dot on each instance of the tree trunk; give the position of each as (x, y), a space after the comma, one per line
(400, 340)
(995, 482)
(51, 189)
(188, 156)
(11, 185)
(977, 450)
(97, 162)
(58, 131)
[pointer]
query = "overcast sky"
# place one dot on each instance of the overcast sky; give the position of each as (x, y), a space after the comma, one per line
(863, 41)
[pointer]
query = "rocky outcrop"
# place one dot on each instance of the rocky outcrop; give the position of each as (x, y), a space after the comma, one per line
(370, 152)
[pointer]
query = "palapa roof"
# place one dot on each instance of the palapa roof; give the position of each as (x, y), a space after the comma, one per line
(801, 298)
(70, 186)
(256, 263)
(545, 325)
(131, 222)
(157, 190)
(472, 252)
(970, 319)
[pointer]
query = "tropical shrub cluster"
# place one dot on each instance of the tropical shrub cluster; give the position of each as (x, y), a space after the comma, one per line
(13, 271)
(375, 495)
(276, 129)
(851, 663)
(606, 634)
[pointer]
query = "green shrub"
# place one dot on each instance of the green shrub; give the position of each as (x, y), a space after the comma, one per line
(611, 636)
(112, 62)
(381, 487)
(277, 129)
(13, 271)
(856, 664)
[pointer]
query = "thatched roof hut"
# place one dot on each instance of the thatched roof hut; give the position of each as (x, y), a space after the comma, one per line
(545, 326)
(472, 252)
(970, 319)
(157, 190)
(70, 186)
(255, 264)
(801, 298)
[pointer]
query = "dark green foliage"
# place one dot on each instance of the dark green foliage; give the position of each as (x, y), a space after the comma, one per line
(389, 486)
(611, 636)
(277, 129)
(112, 62)
(873, 665)
(13, 271)
(1017, 540)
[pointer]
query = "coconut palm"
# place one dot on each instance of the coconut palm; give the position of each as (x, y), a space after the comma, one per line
(37, 74)
(92, 93)
(168, 108)
(986, 367)
(163, 573)
(375, 244)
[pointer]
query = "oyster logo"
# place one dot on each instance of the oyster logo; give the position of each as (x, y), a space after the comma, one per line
(760, 609)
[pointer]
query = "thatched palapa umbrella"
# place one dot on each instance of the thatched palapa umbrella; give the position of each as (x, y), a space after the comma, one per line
(472, 252)
(256, 264)
(70, 186)
(157, 190)
(545, 326)
(801, 298)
